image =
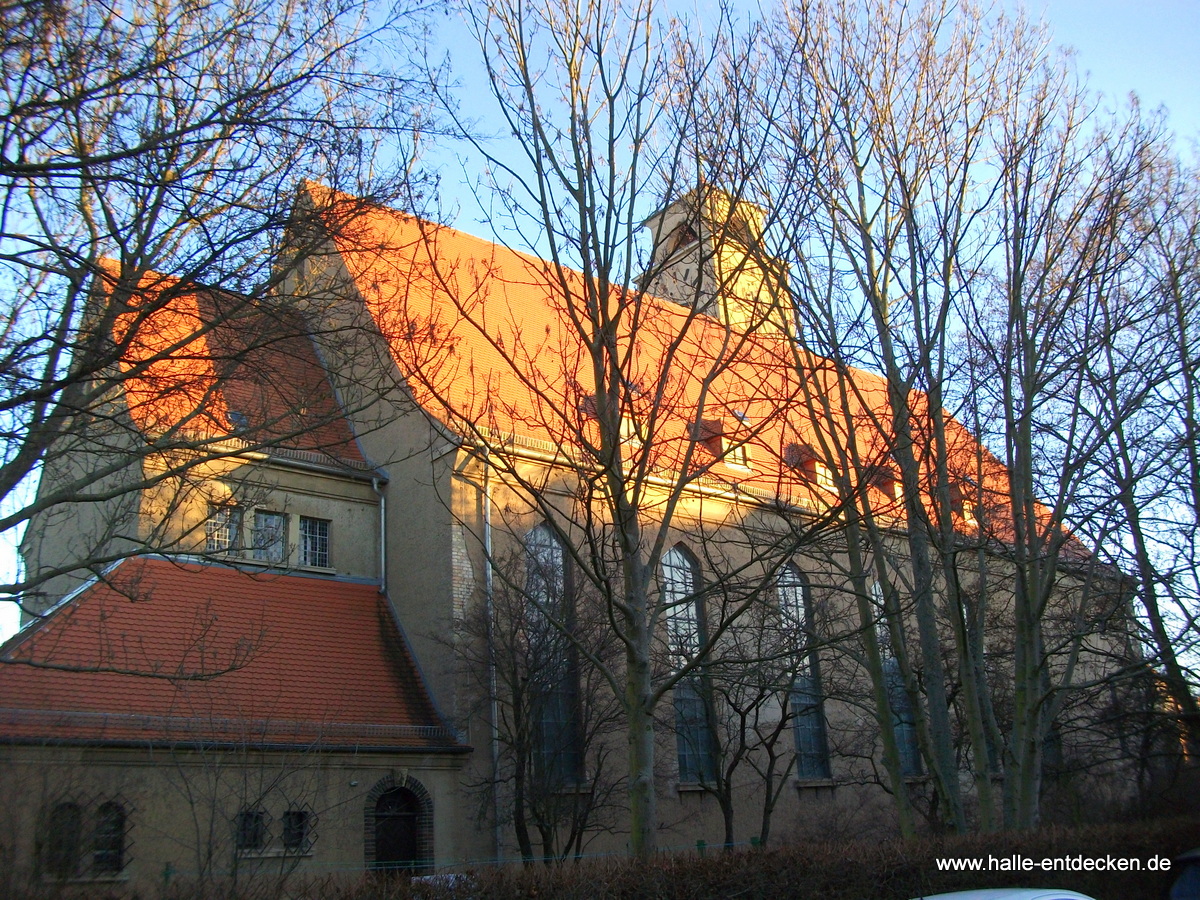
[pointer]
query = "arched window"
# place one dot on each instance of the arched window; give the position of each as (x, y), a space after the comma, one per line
(545, 572)
(883, 632)
(679, 583)
(694, 736)
(108, 844)
(552, 661)
(64, 836)
(904, 723)
(807, 700)
(795, 605)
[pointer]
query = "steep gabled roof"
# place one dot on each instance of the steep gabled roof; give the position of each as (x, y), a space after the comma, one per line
(171, 653)
(485, 338)
(204, 364)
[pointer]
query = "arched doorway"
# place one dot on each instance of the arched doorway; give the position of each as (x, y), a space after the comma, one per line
(398, 830)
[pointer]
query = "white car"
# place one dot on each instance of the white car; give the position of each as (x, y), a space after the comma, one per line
(1008, 894)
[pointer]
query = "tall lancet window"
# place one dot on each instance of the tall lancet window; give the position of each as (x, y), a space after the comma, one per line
(694, 736)
(552, 668)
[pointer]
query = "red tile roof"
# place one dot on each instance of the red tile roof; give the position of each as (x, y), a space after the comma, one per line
(484, 337)
(172, 653)
(213, 365)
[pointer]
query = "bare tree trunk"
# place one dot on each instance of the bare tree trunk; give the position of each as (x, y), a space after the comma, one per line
(643, 798)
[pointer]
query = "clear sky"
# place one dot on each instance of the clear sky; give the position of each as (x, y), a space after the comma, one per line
(1123, 46)
(1145, 46)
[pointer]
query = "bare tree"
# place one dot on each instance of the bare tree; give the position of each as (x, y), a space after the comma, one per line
(1144, 384)
(556, 722)
(170, 138)
(769, 694)
(601, 413)
(950, 204)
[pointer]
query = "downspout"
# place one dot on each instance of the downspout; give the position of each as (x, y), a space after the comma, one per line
(493, 692)
(379, 492)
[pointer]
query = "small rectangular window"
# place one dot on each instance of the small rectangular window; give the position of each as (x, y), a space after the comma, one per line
(738, 455)
(314, 542)
(630, 434)
(297, 824)
(270, 536)
(223, 531)
(824, 476)
(251, 829)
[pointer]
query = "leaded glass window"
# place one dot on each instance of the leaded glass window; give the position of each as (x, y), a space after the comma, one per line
(553, 673)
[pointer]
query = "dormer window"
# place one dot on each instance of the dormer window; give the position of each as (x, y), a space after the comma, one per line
(738, 455)
(717, 437)
(962, 503)
(883, 479)
(803, 458)
(238, 421)
(630, 436)
(823, 475)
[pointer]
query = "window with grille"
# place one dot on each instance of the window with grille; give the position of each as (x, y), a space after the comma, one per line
(251, 829)
(298, 830)
(904, 723)
(883, 631)
(314, 542)
(270, 536)
(108, 843)
(678, 585)
(693, 733)
(791, 591)
(84, 839)
(807, 702)
(222, 532)
(64, 840)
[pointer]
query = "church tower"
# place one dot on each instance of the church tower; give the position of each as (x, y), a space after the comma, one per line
(708, 253)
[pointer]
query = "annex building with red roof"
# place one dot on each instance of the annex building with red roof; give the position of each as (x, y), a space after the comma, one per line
(360, 604)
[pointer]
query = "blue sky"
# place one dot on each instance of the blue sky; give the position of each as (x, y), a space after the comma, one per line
(1147, 47)
(1122, 46)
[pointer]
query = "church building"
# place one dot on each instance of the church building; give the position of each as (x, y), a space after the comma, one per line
(372, 600)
